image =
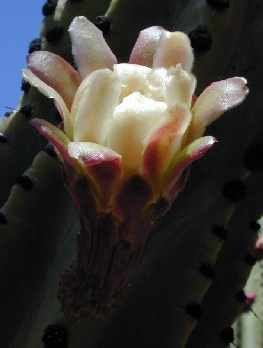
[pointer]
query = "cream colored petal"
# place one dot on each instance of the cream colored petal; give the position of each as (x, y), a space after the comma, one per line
(156, 83)
(133, 78)
(56, 73)
(173, 48)
(132, 121)
(214, 101)
(96, 106)
(164, 142)
(180, 86)
(89, 48)
(55, 136)
(188, 155)
(51, 93)
(144, 48)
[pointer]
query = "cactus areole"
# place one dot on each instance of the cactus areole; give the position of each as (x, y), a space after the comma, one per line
(128, 135)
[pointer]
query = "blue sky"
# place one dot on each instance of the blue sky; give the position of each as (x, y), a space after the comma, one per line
(19, 25)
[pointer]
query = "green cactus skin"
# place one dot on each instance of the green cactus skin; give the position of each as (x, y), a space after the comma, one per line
(232, 271)
(23, 142)
(155, 309)
(30, 239)
(249, 326)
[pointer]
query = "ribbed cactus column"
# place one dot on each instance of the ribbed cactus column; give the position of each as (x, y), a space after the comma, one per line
(251, 322)
(166, 299)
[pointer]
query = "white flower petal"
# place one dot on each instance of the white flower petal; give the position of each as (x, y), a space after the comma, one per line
(173, 48)
(156, 83)
(133, 78)
(51, 93)
(216, 99)
(144, 48)
(89, 48)
(164, 142)
(132, 121)
(95, 108)
(180, 86)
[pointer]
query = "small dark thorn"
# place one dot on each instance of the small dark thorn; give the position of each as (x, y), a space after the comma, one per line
(227, 335)
(50, 152)
(220, 232)
(26, 110)
(241, 296)
(3, 139)
(54, 33)
(234, 190)
(255, 226)
(3, 218)
(25, 181)
(250, 260)
(251, 310)
(49, 7)
(219, 4)
(194, 310)
(253, 159)
(25, 87)
(9, 113)
(201, 39)
(55, 336)
(35, 45)
(207, 271)
(103, 23)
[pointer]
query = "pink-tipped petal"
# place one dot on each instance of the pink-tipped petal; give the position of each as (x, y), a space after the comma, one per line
(55, 136)
(90, 154)
(173, 48)
(56, 73)
(216, 99)
(144, 48)
(188, 155)
(89, 48)
(164, 142)
(51, 93)
(95, 105)
(101, 163)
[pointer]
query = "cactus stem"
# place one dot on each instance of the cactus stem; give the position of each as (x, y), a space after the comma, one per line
(255, 226)
(35, 45)
(194, 310)
(201, 39)
(241, 296)
(207, 271)
(228, 335)
(54, 33)
(49, 7)
(3, 139)
(25, 181)
(253, 159)
(26, 110)
(250, 260)
(3, 218)
(234, 190)
(219, 4)
(220, 232)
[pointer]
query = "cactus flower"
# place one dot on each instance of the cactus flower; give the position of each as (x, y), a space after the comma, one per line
(128, 134)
